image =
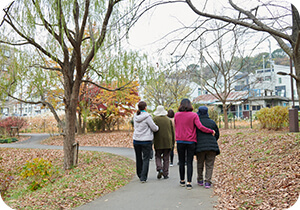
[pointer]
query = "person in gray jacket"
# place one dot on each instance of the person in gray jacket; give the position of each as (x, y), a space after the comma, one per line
(142, 140)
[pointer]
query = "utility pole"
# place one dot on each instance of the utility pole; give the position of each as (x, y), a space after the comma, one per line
(201, 68)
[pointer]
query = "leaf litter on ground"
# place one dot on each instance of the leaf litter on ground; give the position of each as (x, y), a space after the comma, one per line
(257, 169)
(97, 174)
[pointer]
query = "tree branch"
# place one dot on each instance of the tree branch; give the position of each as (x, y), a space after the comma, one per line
(258, 27)
(123, 87)
(102, 34)
(32, 41)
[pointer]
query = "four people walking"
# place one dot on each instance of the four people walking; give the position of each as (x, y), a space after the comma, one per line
(192, 137)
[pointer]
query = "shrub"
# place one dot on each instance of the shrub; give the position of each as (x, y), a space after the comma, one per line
(9, 122)
(39, 172)
(213, 114)
(273, 118)
(8, 140)
(91, 125)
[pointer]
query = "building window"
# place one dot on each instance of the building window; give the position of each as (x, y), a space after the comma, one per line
(256, 108)
(199, 91)
(279, 80)
(268, 78)
(246, 107)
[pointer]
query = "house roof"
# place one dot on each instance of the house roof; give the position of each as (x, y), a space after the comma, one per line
(210, 99)
(273, 97)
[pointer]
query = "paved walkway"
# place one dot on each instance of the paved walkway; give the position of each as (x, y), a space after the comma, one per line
(155, 194)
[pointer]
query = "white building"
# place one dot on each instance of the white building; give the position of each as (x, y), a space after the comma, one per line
(267, 82)
(265, 88)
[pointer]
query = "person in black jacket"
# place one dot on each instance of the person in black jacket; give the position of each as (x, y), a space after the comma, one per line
(207, 148)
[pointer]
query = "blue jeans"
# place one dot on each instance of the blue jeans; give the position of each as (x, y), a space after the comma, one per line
(142, 155)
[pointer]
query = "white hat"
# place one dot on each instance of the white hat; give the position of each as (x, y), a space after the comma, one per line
(160, 111)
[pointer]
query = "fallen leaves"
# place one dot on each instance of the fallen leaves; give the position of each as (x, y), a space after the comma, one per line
(96, 175)
(257, 169)
(105, 139)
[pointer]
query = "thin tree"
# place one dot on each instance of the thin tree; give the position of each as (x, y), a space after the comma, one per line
(225, 70)
(167, 88)
(53, 33)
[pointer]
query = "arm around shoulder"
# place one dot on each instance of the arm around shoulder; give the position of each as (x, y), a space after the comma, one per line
(202, 127)
(151, 124)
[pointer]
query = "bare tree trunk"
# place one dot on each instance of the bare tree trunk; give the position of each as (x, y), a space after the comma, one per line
(225, 116)
(79, 124)
(69, 138)
(71, 102)
(296, 60)
(84, 126)
(102, 123)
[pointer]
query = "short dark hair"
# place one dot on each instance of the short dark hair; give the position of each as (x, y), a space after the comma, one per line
(142, 105)
(170, 113)
(185, 106)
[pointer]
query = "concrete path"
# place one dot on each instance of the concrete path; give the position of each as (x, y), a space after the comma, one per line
(154, 194)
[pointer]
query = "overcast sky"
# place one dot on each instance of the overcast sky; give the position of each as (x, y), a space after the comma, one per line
(152, 28)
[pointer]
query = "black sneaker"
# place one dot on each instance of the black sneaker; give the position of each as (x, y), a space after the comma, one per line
(189, 186)
(160, 173)
(182, 183)
(166, 177)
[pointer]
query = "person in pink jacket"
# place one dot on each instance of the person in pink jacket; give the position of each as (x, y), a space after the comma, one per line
(186, 122)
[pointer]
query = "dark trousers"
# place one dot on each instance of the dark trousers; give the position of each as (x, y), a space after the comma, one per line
(162, 154)
(172, 155)
(207, 158)
(142, 155)
(186, 153)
